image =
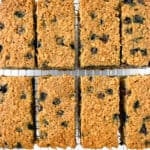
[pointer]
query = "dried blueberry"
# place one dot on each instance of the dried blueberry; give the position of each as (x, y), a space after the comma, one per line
(60, 41)
(109, 91)
(144, 52)
(134, 51)
(1, 48)
(43, 96)
(101, 22)
(3, 88)
(18, 130)
(94, 50)
(30, 126)
(141, 1)
(45, 122)
(90, 89)
(23, 96)
(136, 104)
(60, 113)
(18, 145)
(20, 30)
(19, 14)
(93, 15)
(116, 116)
(143, 129)
(29, 55)
(72, 45)
(104, 38)
(147, 118)
(93, 36)
(138, 19)
(127, 20)
(129, 30)
(90, 78)
(101, 95)
(39, 108)
(56, 101)
(38, 44)
(2, 26)
(64, 124)
(130, 2)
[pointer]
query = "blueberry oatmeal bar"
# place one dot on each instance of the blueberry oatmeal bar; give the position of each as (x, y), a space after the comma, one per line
(137, 104)
(135, 32)
(16, 108)
(99, 111)
(55, 28)
(99, 33)
(17, 34)
(56, 111)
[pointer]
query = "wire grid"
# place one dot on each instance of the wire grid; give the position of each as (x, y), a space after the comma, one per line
(77, 73)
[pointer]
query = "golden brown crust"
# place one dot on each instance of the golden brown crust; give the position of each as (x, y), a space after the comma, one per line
(99, 21)
(56, 96)
(135, 33)
(17, 34)
(55, 27)
(137, 106)
(99, 111)
(16, 122)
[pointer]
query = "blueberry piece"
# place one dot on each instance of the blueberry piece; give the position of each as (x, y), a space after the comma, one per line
(143, 129)
(72, 45)
(101, 22)
(136, 105)
(64, 124)
(19, 14)
(101, 95)
(147, 118)
(29, 55)
(141, 1)
(1, 48)
(134, 51)
(23, 96)
(104, 38)
(93, 36)
(138, 19)
(127, 20)
(109, 91)
(130, 2)
(45, 122)
(90, 78)
(60, 113)
(2, 26)
(20, 30)
(90, 89)
(116, 116)
(38, 44)
(93, 15)
(129, 30)
(18, 145)
(43, 96)
(56, 101)
(144, 52)
(60, 41)
(18, 129)
(30, 126)
(39, 108)
(3, 88)
(94, 50)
